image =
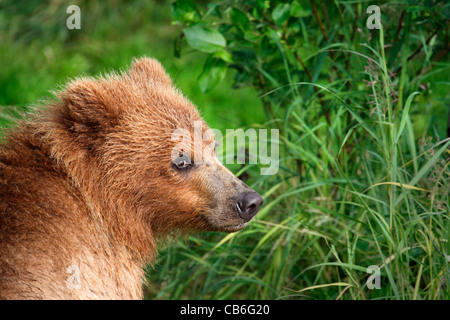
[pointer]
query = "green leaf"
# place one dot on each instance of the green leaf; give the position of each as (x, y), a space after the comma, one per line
(405, 115)
(239, 19)
(185, 11)
(281, 13)
(213, 73)
(204, 39)
(258, 8)
(224, 55)
(298, 11)
(446, 11)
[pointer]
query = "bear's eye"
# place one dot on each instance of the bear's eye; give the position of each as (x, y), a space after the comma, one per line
(182, 162)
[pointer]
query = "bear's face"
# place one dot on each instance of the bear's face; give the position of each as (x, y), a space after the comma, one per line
(140, 134)
(224, 202)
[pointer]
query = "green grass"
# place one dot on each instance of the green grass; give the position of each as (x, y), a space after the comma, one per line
(368, 188)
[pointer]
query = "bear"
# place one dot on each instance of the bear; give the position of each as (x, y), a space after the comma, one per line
(91, 179)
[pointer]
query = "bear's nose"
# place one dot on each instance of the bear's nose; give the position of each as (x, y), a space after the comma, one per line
(248, 206)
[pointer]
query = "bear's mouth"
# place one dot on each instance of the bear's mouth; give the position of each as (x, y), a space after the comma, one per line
(234, 227)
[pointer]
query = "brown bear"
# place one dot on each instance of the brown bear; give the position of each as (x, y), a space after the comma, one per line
(89, 182)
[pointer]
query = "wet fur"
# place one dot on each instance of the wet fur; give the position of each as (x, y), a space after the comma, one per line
(87, 181)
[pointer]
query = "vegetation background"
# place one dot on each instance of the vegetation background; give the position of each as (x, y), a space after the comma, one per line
(363, 118)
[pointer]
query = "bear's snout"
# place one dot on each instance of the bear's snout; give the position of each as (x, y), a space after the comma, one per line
(249, 205)
(232, 203)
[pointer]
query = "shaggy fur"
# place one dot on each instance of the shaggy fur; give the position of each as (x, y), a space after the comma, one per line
(87, 186)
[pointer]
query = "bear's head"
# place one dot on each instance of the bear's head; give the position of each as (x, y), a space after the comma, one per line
(142, 155)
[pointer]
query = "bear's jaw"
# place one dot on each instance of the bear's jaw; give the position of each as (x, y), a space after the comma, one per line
(234, 227)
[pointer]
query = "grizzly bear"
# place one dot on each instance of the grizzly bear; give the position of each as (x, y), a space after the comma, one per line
(89, 182)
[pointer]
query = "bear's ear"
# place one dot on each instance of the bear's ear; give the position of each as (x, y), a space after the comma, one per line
(87, 111)
(149, 69)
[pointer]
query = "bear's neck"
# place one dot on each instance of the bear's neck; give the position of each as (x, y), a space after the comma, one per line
(108, 204)
(99, 243)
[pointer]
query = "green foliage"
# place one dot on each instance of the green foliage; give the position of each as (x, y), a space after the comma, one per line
(204, 39)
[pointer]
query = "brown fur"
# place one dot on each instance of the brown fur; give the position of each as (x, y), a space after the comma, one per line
(87, 182)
